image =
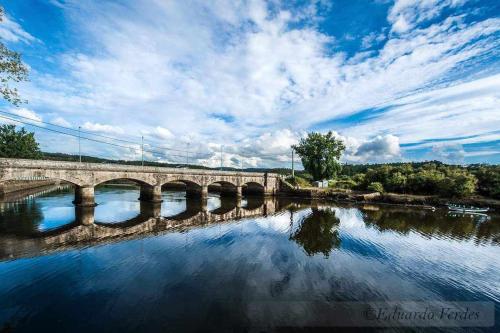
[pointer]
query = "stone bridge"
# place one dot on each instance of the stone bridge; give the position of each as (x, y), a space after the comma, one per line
(85, 176)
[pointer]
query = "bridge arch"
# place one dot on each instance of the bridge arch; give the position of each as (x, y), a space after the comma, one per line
(253, 187)
(141, 180)
(190, 181)
(223, 187)
(191, 187)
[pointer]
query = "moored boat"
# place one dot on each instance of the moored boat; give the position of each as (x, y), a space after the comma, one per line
(467, 209)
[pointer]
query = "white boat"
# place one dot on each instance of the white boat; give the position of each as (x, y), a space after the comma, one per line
(467, 209)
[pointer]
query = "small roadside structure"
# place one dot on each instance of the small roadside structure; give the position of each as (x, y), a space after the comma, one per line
(320, 183)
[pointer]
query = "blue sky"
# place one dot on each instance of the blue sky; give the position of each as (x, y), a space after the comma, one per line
(396, 80)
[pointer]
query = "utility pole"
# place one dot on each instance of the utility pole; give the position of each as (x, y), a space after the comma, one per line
(142, 150)
(221, 157)
(293, 169)
(79, 144)
(187, 154)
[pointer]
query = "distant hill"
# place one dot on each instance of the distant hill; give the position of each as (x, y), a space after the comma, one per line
(92, 159)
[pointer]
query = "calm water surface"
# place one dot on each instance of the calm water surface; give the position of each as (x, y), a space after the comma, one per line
(187, 270)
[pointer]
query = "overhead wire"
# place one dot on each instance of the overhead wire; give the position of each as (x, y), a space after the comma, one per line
(87, 132)
(90, 139)
(151, 148)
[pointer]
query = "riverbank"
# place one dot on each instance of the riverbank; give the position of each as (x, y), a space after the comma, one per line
(388, 198)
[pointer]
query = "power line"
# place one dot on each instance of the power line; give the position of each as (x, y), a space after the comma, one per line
(86, 132)
(153, 151)
(90, 139)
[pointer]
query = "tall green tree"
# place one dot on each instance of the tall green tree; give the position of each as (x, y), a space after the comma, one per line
(12, 70)
(18, 144)
(320, 154)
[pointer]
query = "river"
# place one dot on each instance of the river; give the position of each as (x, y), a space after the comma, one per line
(261, 264)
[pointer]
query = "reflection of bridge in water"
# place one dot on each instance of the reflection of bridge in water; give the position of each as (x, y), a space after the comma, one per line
(86, 231)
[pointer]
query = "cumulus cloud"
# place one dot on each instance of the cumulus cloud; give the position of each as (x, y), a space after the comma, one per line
(26, 113)
(266, 78)
(61, 122)
(451, 153)
(96, 127)
(380, 147)
(273, 148)
(162, 133)
(275, 143)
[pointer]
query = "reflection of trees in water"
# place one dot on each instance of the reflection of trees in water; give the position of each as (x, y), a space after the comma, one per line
(20, 218)
(435, 224)
(317, 232)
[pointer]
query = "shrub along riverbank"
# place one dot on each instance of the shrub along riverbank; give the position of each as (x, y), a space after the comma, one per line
(428, 183)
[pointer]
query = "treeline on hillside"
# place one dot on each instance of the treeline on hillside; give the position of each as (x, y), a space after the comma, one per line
(92, 159)
(423, 178)
(429, 178)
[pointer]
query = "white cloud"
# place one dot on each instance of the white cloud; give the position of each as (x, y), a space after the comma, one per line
(371, 39)
(237, 74)
(11, 31)
(96, 127)
(61, 122)
(162, 133)
(27, 114)
(406, 14)
(380, 147)
(451, 153)
(467, 111)
(376, 149)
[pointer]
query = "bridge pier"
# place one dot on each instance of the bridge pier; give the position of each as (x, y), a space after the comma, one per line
(197, 192)
(84, 196)
(84, 215)
(150, 209)
(196, 204)
(150, 193)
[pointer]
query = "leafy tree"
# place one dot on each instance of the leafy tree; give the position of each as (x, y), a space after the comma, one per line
(458, 183)
(428, 178)
(18, 144)
(396, 182)
(320, 154)
(488, 180)
(343, 184)
(376, 187)
(426, 181)
(12, 69)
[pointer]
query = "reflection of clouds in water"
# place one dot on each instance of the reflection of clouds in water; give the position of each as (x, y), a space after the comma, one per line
(350, 218)
(279, 222)
(253, 259)
(213, 201)
(116, 204)
(174, 202)
(117, 211)
(54, 217)
(430, 258)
